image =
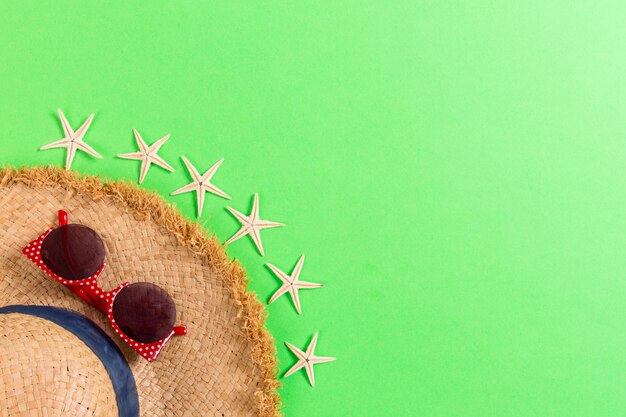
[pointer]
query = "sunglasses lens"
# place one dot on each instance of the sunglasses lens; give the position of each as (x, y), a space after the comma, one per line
(145, 312)
(73, 252)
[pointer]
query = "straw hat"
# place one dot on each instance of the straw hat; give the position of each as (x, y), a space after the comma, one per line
(224, 366)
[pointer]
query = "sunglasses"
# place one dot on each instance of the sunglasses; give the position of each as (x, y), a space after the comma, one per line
(143, 314)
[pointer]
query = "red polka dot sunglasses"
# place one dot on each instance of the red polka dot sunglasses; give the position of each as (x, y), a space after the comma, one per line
(143, 314)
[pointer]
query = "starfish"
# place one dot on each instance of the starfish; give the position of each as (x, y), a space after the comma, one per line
(73, 141)
(291, 283)
(252, 225)
(307, 360)
(147, 155)
(201, 183)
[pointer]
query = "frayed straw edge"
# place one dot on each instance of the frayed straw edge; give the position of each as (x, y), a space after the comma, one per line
(146, 205)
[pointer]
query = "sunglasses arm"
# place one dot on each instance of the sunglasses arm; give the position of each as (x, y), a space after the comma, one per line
(180, 330)
(63, 218)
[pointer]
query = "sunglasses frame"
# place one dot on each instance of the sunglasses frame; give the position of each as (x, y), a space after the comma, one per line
(89, 290)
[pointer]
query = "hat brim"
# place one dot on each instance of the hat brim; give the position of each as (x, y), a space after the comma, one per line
(226, 365)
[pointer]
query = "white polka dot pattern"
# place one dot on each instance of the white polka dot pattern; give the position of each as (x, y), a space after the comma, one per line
(149, 351)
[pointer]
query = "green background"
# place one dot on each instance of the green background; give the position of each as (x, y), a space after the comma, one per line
(454, 172)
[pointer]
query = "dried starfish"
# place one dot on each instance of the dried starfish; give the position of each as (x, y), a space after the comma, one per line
(252, 225)
(73, 141)
(307, 360)
(147, 155)
(292, 284)
(201, 183)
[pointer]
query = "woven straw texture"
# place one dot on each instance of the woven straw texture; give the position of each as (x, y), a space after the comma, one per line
(225, 366)
(51, 375)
